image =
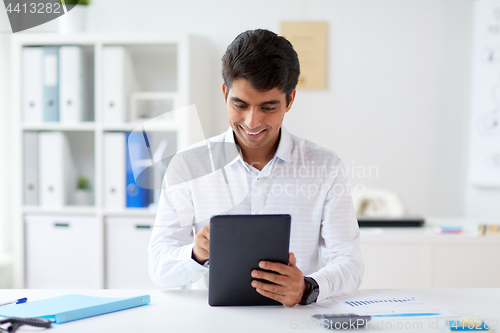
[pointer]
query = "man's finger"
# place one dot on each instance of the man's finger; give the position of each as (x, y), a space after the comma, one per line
(292, 261)
(270, 295)
(275, 267)
(271, 277)
(207, 228)
(272, 288)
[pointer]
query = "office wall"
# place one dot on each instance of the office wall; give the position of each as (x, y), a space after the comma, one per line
(397, 96)
(397, 90)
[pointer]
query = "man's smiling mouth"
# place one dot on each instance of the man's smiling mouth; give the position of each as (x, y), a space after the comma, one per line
(252, 133)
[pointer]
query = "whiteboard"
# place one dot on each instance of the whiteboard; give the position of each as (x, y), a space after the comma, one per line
(484, 160)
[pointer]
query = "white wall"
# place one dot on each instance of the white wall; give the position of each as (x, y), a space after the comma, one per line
(398, 81)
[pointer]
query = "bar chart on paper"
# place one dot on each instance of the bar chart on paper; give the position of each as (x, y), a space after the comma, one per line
(383, 307)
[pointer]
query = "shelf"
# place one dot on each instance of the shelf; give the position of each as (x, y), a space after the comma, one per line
(95, 38)
(167, 70)
(129, 127)
(136, 212)
(84, 126)
(66, 210)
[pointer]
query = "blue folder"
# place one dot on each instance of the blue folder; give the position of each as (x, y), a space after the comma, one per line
(71, 307)
(137, 196)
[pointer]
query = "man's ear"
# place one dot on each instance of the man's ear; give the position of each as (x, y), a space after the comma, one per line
(292, 98)
(225, 90)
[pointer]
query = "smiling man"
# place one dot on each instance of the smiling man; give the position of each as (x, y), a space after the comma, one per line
(275, 172)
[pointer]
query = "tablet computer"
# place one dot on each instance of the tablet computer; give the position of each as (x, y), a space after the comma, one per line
(237, 244)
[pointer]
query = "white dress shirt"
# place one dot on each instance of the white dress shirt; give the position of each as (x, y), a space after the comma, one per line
(303, 179)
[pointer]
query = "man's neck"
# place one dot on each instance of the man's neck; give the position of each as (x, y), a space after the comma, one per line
(258, 158)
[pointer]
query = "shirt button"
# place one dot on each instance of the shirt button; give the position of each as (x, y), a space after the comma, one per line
(258, 178)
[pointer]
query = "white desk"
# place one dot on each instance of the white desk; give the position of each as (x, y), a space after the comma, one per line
(176, 311)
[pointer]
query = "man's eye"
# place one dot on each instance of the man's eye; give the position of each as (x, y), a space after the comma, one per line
(268, 109)
(239, 106)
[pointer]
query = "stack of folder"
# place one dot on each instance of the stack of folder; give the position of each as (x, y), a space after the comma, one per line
(48, 154)
(121, 150)
(56, 84)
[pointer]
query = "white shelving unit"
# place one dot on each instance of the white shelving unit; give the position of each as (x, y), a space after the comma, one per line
(164, 65)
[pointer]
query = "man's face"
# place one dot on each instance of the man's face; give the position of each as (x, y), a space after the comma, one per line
(255, 116)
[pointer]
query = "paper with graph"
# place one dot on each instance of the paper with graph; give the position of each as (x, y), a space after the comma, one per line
(375, 306)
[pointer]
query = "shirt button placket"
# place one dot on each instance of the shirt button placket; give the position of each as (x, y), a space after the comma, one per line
(257, 195)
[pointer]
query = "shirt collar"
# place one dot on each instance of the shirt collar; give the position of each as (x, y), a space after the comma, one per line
(284, 150)
(284, 147)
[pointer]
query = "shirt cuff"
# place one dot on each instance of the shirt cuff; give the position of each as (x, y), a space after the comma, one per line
(323, 285)
(191, 264)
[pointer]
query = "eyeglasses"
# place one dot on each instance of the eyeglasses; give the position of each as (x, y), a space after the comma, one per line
(15, 323)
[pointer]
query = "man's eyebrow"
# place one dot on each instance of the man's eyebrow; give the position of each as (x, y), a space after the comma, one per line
(272, 102)
(236, 99)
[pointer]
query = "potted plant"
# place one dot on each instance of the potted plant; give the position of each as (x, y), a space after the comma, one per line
(74, 20)
(83, 194)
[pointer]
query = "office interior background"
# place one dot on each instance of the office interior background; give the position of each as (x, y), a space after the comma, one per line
(398, 93)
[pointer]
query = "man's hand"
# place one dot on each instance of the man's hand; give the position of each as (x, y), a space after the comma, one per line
(201, 246)
(289, 281)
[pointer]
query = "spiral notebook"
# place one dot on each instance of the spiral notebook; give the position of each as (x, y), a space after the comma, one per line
(71, 307)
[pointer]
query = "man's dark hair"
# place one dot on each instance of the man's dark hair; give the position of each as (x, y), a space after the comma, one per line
(264, 59)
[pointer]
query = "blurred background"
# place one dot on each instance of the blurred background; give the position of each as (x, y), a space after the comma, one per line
(398, 98)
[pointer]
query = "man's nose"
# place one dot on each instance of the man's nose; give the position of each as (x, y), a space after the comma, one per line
(253, 118)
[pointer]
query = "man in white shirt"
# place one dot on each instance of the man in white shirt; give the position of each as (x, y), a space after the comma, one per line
(272, 172)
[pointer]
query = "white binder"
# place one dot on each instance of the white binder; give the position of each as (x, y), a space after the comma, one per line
(119, 82)
(32, 85)
(30, 165)
(73, 106)
(50, 78)
(114, 170)
(57, 173)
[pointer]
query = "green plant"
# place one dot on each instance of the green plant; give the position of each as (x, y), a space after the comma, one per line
(75, 2)
(83, 183)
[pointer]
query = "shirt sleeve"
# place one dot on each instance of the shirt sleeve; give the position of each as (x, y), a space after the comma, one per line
(339, 244)
(170, 248)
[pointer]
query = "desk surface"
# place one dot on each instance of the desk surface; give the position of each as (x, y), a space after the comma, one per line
(188, 311)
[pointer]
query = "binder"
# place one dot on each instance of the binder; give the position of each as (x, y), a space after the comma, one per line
(32, 85)
(57, 169)
(30, 165)
(73, 106)
(114, 170)
(62, 309)
(50, 72)
(137, 196)
(119, 81)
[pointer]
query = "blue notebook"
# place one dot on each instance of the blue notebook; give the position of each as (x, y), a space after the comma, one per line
(66, 308)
